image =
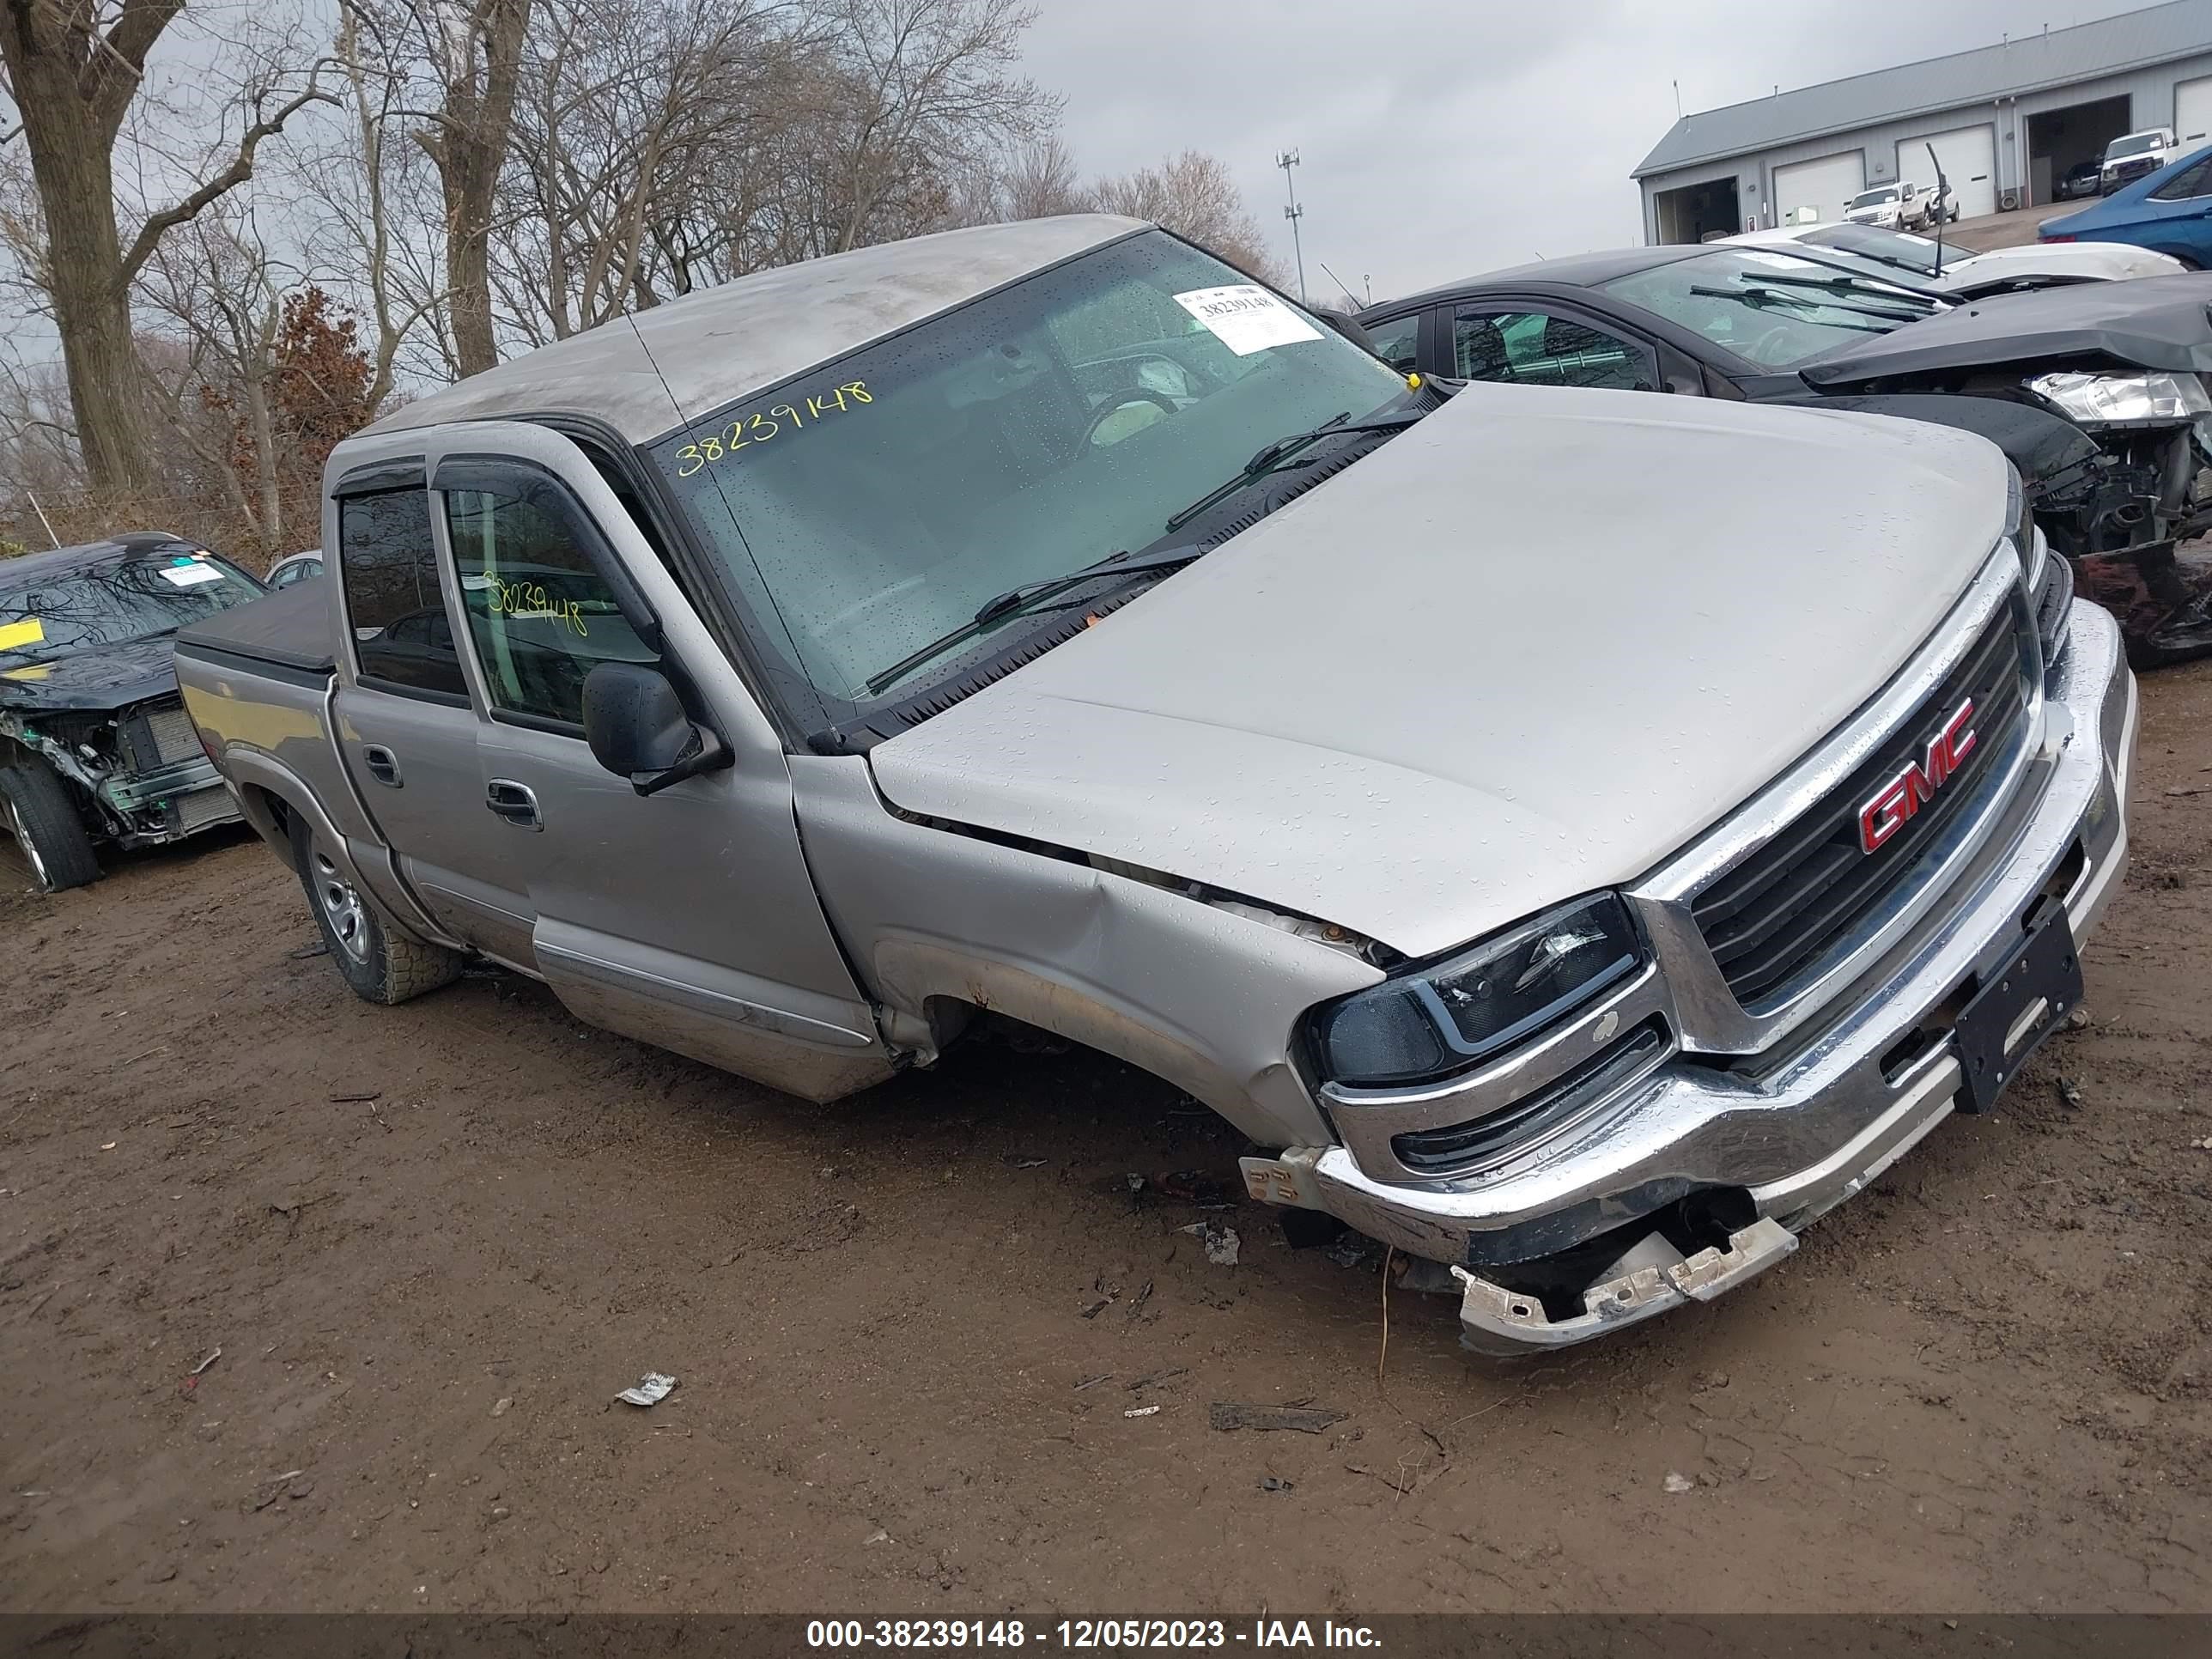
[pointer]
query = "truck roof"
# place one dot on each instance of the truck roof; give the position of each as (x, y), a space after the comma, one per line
(645, 374)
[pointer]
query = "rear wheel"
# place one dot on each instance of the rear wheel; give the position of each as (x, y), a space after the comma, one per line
(36, 809)
(380, 965)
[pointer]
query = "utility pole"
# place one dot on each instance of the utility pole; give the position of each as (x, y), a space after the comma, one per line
(1287, 160)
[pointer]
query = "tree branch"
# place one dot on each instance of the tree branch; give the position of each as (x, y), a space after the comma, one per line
(240, 170)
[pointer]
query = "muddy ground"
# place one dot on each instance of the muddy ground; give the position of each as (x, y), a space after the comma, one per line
(1983, 1385)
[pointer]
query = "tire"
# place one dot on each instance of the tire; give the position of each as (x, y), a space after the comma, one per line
(36, 806)
(381, 965)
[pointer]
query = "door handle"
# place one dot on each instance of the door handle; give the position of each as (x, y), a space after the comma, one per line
(515, 802)
(383, 765)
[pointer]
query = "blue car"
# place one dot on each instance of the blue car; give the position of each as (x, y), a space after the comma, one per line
(2169, 211)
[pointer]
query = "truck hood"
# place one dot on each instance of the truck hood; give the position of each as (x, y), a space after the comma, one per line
(2155, 322)
(106, 677)
(2056, 263)
(1527, 649)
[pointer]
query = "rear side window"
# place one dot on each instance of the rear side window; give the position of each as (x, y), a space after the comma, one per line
(390, 574)
(541, 617)
(2188, 183)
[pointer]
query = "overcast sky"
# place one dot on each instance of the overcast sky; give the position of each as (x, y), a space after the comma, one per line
(1440, 138)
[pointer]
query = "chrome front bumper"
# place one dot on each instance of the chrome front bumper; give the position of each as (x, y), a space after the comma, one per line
(1800, 1133)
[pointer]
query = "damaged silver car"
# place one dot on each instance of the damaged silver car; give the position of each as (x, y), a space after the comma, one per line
(1577, 837)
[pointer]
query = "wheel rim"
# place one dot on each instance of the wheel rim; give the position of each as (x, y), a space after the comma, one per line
(343, 911)
(29, 848)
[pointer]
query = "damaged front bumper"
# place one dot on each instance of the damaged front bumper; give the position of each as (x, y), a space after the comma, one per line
(1790, 1135)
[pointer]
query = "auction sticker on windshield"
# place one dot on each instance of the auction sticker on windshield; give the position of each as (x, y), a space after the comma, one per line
(16, 634)
(1246, 318)
(186, 573)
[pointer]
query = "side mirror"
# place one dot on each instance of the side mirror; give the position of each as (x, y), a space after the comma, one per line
(639, 729)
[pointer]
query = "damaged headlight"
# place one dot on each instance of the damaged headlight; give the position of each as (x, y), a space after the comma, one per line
(1431, 1021)
(2123, 399)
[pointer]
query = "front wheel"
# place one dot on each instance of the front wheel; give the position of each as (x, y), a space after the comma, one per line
(380, 965)
(36, 809)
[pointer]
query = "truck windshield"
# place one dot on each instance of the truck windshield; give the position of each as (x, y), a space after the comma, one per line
(111, 601)
(1770, 308)
(873, 506)
(2136, 143)
(1873, 198)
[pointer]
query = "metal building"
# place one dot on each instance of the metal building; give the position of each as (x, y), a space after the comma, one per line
(2008, 121)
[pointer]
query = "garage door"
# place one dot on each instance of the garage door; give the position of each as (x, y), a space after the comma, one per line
(1823, 185)
(1970, 162)
(2192, 111)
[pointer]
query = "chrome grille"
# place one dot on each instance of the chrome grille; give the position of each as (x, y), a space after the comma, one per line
(1774, 918)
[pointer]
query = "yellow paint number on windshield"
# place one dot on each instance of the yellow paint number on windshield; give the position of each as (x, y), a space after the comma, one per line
(768, 424)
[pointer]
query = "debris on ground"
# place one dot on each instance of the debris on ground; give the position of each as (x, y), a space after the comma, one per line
(501, 1406)
(2069, 1091)
(1194, 1186)
(1678, 1483)
(305, 951)
(1423, 1277)
(1141, 1411)
(879, 1536)
(1353, 1249)
(1093, 1382)
(1144, 1295)
(651, 1389)
(1150, 1377)
(1269, 1483)
(214, 1355)
(1015, 1161)
(1221, 1243)
(108, 1145)
(2193, 789)
(2203, 1146)
(2079, 1020)
(1227, 1416)
(356, 1100)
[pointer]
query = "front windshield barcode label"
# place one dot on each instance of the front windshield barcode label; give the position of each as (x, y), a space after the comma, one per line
(1246, 318)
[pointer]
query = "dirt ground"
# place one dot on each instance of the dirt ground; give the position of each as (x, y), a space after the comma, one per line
(911, 1330)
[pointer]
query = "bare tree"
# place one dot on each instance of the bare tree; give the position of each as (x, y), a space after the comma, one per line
(74, 69)
(466, 55)
(1193, 195)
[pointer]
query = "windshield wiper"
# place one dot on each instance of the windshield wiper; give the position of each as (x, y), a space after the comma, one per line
(1015, 600)
(1760, 298)
(1859, 285)
(1273, 457)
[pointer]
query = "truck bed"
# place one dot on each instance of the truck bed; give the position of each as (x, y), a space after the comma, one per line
(289, 628)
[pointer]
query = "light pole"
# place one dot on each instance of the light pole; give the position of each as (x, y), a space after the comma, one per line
(1287, 160)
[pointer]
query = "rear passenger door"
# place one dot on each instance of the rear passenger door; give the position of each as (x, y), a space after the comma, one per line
(405, 727)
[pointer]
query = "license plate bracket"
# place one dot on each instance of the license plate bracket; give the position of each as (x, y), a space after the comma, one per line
(2018, 1005)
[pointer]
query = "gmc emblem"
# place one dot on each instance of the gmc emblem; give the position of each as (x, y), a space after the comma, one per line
(1896, 800)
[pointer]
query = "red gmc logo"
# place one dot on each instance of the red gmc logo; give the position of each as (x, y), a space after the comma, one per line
(1894, 804)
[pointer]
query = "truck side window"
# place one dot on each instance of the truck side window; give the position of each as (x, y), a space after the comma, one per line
(540, 618)
(390, 574)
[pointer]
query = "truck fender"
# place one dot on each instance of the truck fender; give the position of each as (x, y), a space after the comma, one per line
(257, 779)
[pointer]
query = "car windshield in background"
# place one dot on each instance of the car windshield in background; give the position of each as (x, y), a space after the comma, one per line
(2136, 143)
(1770, 308)
(1894, 248)
(111, 601)
(872, 507)
(1873, 198)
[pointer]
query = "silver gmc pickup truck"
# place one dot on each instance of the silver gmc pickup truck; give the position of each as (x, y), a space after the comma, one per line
(1578, 837)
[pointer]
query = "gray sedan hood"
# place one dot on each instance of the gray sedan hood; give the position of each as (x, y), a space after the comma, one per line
(1525, 650)
(2152, 322)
